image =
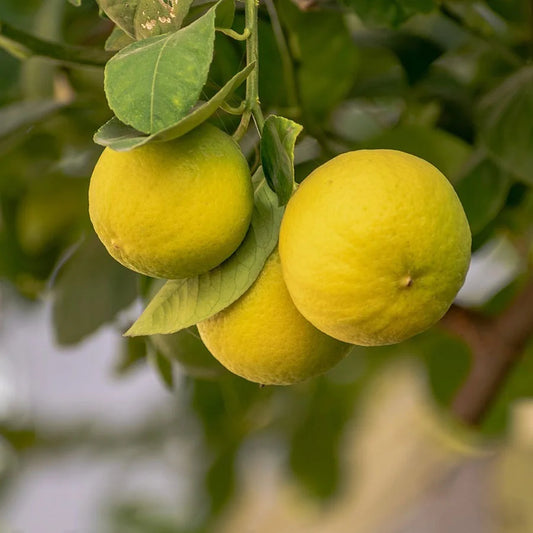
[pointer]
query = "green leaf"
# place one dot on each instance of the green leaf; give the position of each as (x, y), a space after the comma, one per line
(132, 352)
(277, 155)
(182, 303)
(152, 84)
(76, 3)
(121, 13)
(163, 368)
(156, 18)
(317, 437)
(187, 349)
(91, 288)
(23, 114)
(121, 138)
(483, 189)
(117, 40)
(327, 57)
(389, 12)
(506, 129)
(225, 13)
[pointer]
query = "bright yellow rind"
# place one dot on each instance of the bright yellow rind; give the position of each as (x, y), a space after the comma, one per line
(263, 338)
(374, 246)
(174, 209)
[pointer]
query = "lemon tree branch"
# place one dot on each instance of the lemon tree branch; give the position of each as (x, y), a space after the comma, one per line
(24, 45)
(496, 345)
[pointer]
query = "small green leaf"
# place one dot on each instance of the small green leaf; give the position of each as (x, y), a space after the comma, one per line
(76, 3)
(182, 303)
(506, 127)
(23, 114)
(91, 288)
(122, 138)
(163, 368)
(483, 189)
(277, 155)
(152, 84)
(117, 40)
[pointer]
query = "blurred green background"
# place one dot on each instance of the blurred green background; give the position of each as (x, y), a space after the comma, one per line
(101, 433)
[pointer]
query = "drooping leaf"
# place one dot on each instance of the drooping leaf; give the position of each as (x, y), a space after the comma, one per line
(182, 303)
(482, 190)
(132, 352)
(163, 368)
(23, 114)
(506, 129)
(186, 348)
(277, 155)
(389, 12)
(120, 137)
(91, 288)
(152, 84)
(117, 40)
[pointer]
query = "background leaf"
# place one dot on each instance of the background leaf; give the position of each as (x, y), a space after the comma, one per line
(162, 367)
(21, 114)
(326, 55)
(91, 288)
(389, 12)
(182, 303)
(277, 155)
(507, 129)
(483, 189)
(170, 73)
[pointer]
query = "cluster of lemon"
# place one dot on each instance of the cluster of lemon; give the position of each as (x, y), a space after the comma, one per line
(373, 247)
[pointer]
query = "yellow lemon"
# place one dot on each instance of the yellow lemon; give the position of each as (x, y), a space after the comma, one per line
(263, 338)
(173, 209)
(374, 246)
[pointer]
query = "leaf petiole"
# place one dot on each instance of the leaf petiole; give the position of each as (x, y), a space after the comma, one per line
(235, 35)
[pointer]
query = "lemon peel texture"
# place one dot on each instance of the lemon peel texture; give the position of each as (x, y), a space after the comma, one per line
(374, 246)
(174, 209)
(263, 338)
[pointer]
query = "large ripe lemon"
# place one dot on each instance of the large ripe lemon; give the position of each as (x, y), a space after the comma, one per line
(263, 338)
(374, 246)
(173, 209)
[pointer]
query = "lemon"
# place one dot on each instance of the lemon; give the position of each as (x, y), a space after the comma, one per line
(263, 338)
(173, 209)
(374, 246)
